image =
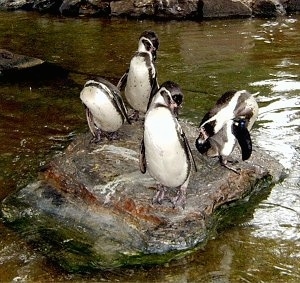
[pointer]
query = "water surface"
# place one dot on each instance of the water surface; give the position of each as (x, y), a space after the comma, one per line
(39, 118)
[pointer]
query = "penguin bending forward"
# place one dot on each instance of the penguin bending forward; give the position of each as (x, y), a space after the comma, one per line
(105, 109)
(165, 151)
(227, 123)
(140, 80)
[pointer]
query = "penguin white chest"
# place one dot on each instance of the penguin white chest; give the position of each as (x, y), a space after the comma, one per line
(105, 113)
(230, 142)
(138, 87)
(166, 158)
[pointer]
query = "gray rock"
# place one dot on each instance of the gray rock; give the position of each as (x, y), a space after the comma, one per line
(91, 207)
(161, 9)
(10, 61)
(132, 8)
(46, 6)
(268, 8)
(225, 8)
(16, 4)
(17, 67)
(291, 5)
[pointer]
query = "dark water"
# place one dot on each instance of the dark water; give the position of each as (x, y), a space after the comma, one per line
(39, 118)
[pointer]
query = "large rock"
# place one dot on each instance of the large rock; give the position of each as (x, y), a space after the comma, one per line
(224, 8)
(161, 9)
(173, 9)
(87, 8)
(291, 5)
(10, 61)
(91, 207)
(17, 67)
(268, 8)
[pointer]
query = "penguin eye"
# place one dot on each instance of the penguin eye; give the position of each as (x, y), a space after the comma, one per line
(177, 98)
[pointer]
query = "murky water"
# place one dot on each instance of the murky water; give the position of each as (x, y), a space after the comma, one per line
(39, 118)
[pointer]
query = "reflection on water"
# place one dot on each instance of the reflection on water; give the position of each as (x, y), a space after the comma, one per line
(279, 121)
(38, 119)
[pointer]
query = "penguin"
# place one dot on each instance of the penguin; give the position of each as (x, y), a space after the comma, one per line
(165, 151)
(140, 80)
(105, 109)
(227, 124)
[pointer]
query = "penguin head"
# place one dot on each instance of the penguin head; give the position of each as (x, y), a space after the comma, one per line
(202, 145)
(176, 95)
(152, 36)
(163, 97)
(202, 142)
(149, 42)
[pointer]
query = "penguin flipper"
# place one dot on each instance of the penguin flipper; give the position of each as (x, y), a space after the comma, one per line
(123, 80)
(154, 90)
(120, 103)
(90, 120)
(142, 158)
(240, 131)
(188, 149)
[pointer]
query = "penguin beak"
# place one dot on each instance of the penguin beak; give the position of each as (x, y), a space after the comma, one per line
(153, 52)
(174, 108)
(202, 143)
(177, 98)
(202, 135)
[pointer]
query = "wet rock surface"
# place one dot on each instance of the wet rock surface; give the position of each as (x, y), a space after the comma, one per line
(10, 61)
(18, 67)
(188, 9)
(91, 207)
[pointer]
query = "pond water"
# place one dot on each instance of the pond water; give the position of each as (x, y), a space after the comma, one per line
(39, 117)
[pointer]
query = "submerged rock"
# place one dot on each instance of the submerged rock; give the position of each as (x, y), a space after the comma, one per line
(91, 207)
(17, 67)
(10, 61)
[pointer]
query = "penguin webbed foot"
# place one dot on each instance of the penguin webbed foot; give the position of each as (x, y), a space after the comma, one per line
(231, 161)
(134, 116)
(224, 162)
(180, 199)
(160, 194)
(112, 136)
(96, 136)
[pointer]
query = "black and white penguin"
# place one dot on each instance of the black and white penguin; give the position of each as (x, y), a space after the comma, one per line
(165, 150)
(105, 109)
(227, 124)
(140, 80)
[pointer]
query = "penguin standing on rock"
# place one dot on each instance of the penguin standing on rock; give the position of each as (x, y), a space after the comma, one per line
(227, 124)
(105, 109)
(165, 151)
(140, 80)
